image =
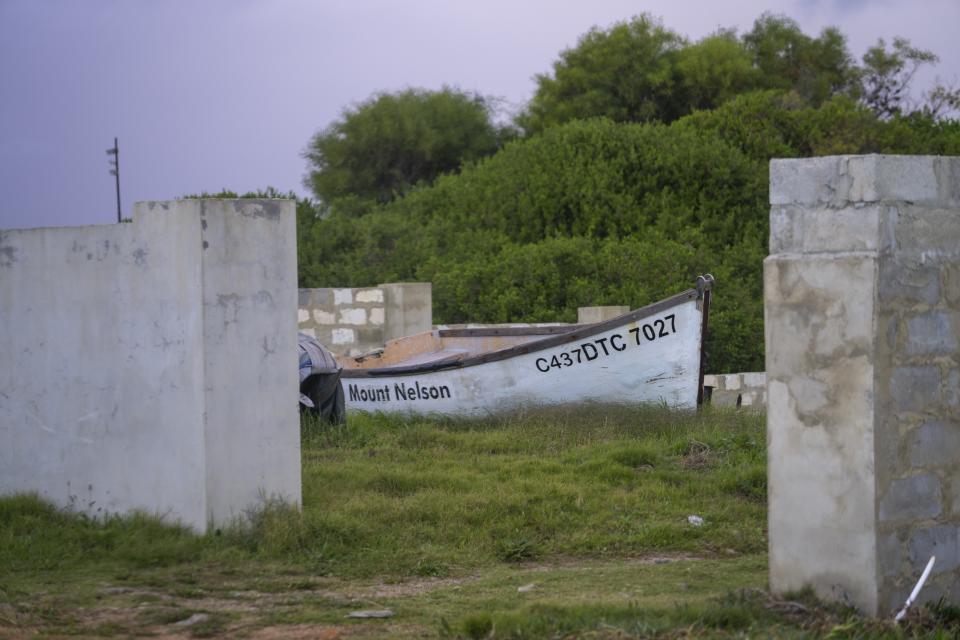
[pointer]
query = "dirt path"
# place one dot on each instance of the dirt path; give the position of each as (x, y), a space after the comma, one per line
(315, 607)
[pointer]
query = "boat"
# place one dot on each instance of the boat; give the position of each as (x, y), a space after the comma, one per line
(653, 354)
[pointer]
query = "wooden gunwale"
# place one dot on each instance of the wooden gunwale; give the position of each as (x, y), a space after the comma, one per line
(577, 333)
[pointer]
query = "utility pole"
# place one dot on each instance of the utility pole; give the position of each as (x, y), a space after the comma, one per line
(115, 171)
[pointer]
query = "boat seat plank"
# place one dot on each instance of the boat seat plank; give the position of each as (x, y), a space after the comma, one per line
(442, 357)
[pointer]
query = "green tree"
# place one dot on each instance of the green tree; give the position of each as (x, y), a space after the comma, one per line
(591, 212)
(625, 73)
(788, 59)
(714, 70)
(887, 76)
(380, 148)
(599, 212)
(640, 71)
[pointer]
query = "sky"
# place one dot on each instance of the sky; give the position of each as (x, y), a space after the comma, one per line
(211, 94)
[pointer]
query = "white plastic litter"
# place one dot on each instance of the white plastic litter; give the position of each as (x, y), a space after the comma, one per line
(916, 589)
(371, 613)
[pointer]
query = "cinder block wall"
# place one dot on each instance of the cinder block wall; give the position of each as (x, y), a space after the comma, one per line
(358, 320)
(862, 289)
(738, 389)
(347, 321)
(152, 365)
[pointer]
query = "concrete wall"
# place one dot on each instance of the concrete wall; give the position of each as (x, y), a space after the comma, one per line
(152, 365)
(359, 320)
(862, 289)
(251, 363)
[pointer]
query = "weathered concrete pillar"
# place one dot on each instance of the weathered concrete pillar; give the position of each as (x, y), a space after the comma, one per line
(408, 308)
(591, 315)
(862, 310)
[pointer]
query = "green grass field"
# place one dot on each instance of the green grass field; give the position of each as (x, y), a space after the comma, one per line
(570, 522)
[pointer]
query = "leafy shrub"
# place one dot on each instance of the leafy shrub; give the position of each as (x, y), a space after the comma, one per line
(596, 212)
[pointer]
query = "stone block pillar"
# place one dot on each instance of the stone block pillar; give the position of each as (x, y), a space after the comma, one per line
(862, 312)
(592, 315)
(408, 308)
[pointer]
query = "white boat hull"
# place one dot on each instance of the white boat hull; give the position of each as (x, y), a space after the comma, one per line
(655, 358)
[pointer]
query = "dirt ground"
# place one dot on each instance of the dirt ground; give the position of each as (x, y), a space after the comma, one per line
(315, 608)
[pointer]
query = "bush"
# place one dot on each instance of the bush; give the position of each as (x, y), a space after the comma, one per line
(596, 212)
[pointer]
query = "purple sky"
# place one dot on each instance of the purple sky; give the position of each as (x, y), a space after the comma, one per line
(214, 94)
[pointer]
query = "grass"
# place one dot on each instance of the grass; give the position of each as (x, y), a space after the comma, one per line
(551, 523)
(584, 482)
